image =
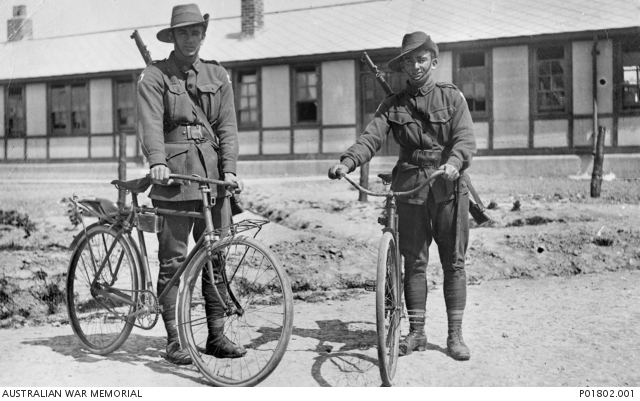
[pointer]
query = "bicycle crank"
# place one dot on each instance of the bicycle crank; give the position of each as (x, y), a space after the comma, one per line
(147, 310)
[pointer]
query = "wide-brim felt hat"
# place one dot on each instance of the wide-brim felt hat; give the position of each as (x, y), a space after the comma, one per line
(411, 42)
(183, 15)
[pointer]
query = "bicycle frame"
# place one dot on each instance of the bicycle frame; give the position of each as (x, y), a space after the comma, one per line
(208, 239)
(391, 224)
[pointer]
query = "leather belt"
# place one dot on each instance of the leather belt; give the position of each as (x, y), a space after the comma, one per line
(429, 159)
(185, 132)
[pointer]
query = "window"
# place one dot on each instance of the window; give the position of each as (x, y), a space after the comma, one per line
(306, 95)
(69, 109)
(631, 76)
(551, 78)
(125, 106)
(472, 80)
(247, 98)
(15, 122)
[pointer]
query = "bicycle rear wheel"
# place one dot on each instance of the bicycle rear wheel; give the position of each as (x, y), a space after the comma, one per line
(101, 289)
(388, 308)
(259, 287)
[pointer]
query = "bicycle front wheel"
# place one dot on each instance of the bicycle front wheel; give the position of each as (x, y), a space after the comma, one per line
(388, 308)
(101, 289)
(259, 315)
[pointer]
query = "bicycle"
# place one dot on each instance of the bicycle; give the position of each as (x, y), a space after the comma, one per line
(109, 288)
(388, 285)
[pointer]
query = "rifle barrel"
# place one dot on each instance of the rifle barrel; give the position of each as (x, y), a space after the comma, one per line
(146, 55)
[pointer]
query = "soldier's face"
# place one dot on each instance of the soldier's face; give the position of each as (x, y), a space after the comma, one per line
(188, 39)
(419, 64)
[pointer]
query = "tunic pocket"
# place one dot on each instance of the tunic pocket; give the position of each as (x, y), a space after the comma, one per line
(178, 103)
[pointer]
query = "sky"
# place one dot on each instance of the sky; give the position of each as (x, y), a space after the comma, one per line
(53, 18)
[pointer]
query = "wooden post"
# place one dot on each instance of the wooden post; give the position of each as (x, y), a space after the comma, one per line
(122, 166)
(364, 181)
(598, 160)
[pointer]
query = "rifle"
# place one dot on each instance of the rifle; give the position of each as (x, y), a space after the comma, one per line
(146, 55)
(236, 207)
(476, 208)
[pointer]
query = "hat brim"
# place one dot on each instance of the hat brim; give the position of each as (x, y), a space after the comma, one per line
(163, 35)
(395, 64)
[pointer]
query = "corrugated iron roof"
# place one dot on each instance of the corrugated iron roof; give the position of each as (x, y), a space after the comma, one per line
(340, 28)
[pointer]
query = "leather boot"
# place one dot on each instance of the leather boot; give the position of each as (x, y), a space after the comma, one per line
(456, 346)
(414, 341)
(175, 354)
(219, 346)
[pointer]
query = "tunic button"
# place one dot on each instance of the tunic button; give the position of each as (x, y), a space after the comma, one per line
(189, 86)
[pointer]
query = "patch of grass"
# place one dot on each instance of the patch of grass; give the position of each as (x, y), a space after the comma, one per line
(18, 220)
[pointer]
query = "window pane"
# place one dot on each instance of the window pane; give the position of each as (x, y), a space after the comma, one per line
(550, 53)
(253, 116)
(558, 82)
(545, 83)
(544, 68)
(306, 112)
(79, 107)
(472, 60)
(556, 68)
(16, 122)
(253, 90)
(312, 79)
(253, 102)
(631, 74)
(301, 79)
(59, 109)
(125, 105)
(312, 93)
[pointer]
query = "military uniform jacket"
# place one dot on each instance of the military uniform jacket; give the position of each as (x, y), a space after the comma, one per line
(434, 118)
(164, 104)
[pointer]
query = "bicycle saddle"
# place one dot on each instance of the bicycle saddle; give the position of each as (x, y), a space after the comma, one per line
(137, 186)
(386, 177)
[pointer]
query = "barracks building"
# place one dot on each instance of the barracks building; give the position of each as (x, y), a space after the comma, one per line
(538, 77)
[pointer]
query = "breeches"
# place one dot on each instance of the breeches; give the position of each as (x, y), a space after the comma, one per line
(418, 226)
(174, 238)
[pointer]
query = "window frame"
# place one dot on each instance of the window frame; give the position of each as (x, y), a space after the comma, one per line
(69, 131)
(237, 90)
(116, 93)
(294, 95)
(622, 47)
(485, 114)
(567, 65)
(7, 132)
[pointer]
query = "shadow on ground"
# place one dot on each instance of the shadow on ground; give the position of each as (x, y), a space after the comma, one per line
(138, 349)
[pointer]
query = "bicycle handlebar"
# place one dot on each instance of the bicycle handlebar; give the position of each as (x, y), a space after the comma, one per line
(197, 178)
(390, 193)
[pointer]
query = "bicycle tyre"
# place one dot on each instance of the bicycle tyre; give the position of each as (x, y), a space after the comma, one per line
(388, 308)
(101, 324)
(261, 286)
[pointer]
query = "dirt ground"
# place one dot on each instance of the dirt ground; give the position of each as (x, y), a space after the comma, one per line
(553, 294)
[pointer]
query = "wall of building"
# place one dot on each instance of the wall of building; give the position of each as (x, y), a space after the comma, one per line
(583, 90)
(511, 97)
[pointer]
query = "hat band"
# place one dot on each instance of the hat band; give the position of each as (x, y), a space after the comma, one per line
(187, 17)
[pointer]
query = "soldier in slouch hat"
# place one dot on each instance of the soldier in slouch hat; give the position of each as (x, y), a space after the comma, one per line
(432, 124)
(187, 125)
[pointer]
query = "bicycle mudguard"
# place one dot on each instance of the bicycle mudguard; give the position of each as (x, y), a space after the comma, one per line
(76, 240)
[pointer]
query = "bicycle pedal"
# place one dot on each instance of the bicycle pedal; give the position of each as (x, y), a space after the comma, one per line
(370, 285)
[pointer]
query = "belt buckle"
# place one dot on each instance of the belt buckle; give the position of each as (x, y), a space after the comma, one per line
(190, 135)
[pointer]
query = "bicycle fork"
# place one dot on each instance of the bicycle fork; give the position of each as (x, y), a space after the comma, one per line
(209, 239)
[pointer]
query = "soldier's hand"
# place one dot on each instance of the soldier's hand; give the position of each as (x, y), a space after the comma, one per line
(338, 170)
(231, 178)
(450, 173)
(160, 174)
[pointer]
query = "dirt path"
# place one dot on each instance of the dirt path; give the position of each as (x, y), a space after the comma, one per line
(578, 331)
